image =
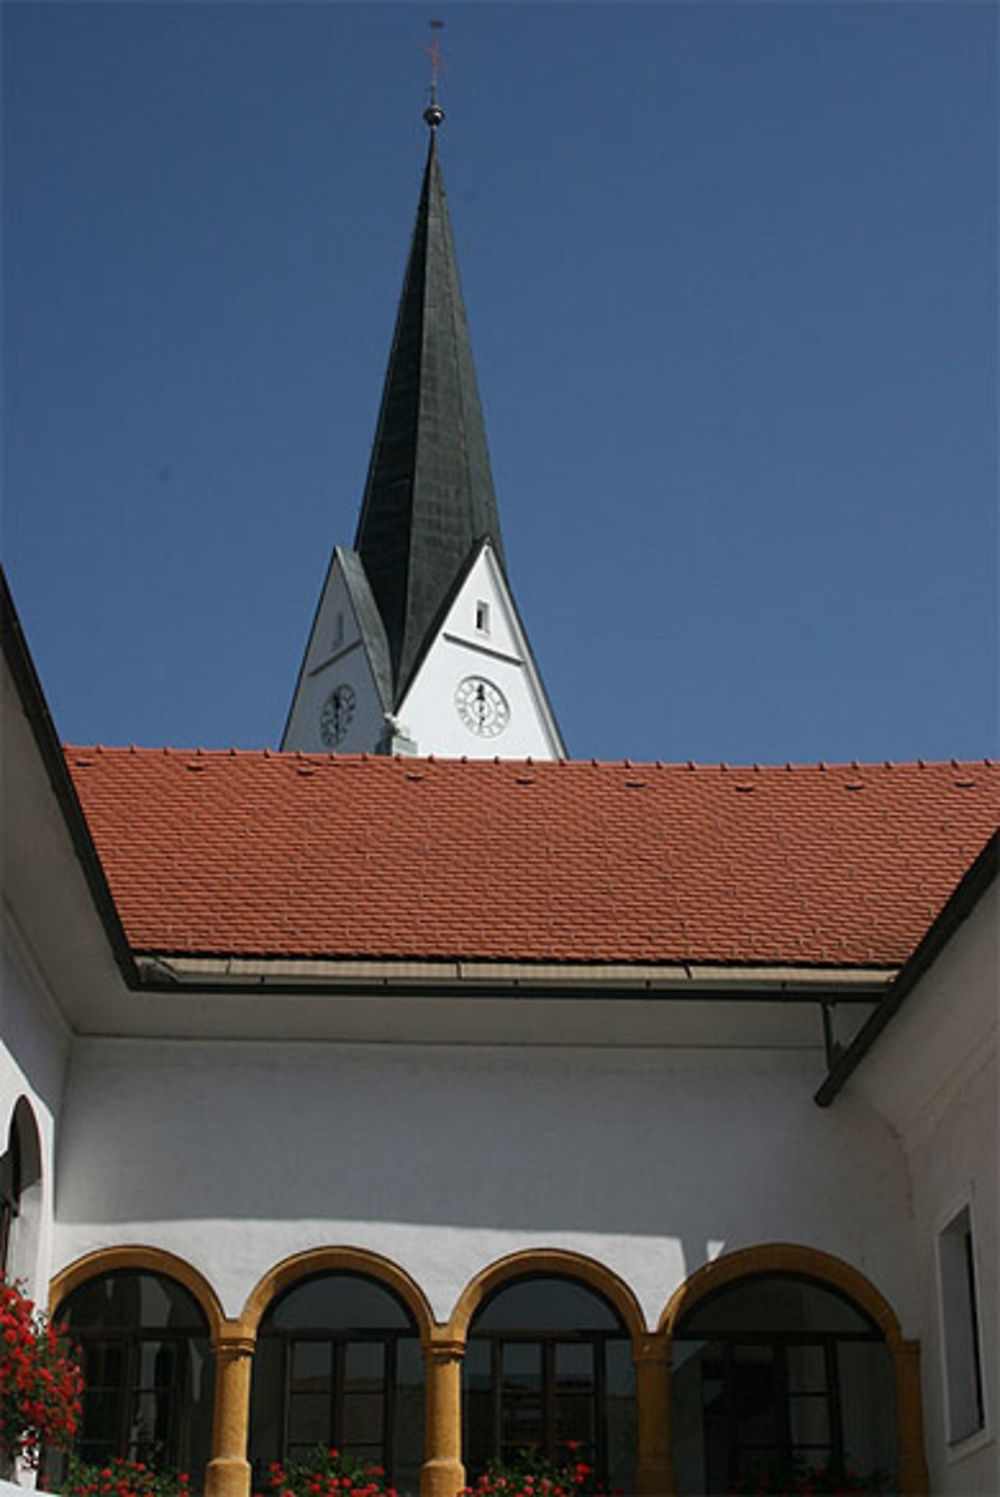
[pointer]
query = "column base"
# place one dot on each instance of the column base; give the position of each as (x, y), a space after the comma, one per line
(227, 1476)
(443, 1477)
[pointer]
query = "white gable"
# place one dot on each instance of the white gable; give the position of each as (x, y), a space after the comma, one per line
(336, 692)
(477, 691)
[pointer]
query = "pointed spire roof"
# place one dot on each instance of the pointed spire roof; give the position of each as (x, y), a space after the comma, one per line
(429, 496)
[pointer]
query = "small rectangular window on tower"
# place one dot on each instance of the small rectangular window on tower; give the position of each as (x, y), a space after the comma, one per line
(483, 617)
(960, 1324)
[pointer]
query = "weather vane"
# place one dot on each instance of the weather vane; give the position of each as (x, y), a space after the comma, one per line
(434, 114)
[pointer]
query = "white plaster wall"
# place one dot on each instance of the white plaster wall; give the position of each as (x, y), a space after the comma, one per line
(953, 1162)
(34, 1049)
(935, 1071)
(443, 1159)
(501, 656)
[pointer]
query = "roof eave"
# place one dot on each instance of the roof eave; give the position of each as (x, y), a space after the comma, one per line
(569, 980)
(50, 750)
(977, 879)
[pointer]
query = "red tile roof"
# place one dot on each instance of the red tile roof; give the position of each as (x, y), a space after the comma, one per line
(295, 855)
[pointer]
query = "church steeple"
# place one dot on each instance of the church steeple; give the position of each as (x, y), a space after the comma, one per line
(429, 497)
(417, 643)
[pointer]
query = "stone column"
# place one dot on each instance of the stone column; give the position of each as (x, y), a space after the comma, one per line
(912, 1475)
(442, 1474)
(654, 1475)
(228, 1473)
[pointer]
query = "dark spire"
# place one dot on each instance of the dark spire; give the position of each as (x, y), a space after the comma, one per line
(429, 495)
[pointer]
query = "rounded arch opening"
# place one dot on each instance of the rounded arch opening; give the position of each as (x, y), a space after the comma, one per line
(548, 1368)
(339, 1363)
(21, 1187)
(145, 1346)
(780, 1360)
(783, 1258)
(359, 1261)
(146, 1259)
(555, 1263)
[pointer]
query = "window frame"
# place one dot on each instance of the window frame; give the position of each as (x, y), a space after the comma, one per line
(547, 1338)
(779, 1341)
(949, 1334)
(338, 1338)
(132, 1338)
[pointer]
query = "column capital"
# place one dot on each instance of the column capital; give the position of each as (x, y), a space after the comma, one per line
(439, 1346)
(653, 1347)
(233, 1340)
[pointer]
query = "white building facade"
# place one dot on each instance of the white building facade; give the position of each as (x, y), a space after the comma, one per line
(444, 1140)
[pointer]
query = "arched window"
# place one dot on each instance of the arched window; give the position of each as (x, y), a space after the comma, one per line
(10, 1193)
(147, 1368)
(20, 1195)
(338, 1363)
(778, 1370)
(548, 1368)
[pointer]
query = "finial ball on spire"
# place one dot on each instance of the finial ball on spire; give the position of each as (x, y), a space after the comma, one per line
(434, 114)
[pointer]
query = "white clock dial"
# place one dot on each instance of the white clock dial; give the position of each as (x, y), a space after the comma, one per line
(335, 719)
(481, 706)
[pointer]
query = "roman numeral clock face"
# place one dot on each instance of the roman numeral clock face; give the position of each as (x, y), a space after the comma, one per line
(481, 706)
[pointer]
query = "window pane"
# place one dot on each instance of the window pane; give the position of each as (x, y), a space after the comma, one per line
(363, 1420)
(479, 1432)
(806, 1369)
(157, 1364)
(778, 1303)
(309, 1419)
(408, 1435)
(755, 1396)
(102, 1418)
(547, 1304)
(522, 1367)
(149, 1432)
(310, 1367)
(266, 1408)
(104, 1363)
(521, 1426)
(575, 1420)
(364, 1366)
(574, 1365)
(809, 1420)
(129, 1299)
(619, 1379)
(338, 1302)
(866, 1405)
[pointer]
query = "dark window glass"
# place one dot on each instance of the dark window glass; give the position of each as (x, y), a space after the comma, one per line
(127, 1299)
(338, 1300)
(778, 1369)
(10, 1192)
(547, 1304)
(338, 1363)
(147, 1365)
(777, 1304)
(549, 1369)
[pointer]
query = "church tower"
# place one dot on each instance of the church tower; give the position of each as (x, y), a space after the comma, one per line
(417, 645)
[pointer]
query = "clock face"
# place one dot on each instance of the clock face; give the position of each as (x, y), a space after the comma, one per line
(481, 706)
(335, 719)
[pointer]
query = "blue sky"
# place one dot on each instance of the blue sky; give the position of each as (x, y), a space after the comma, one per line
(731, 279)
